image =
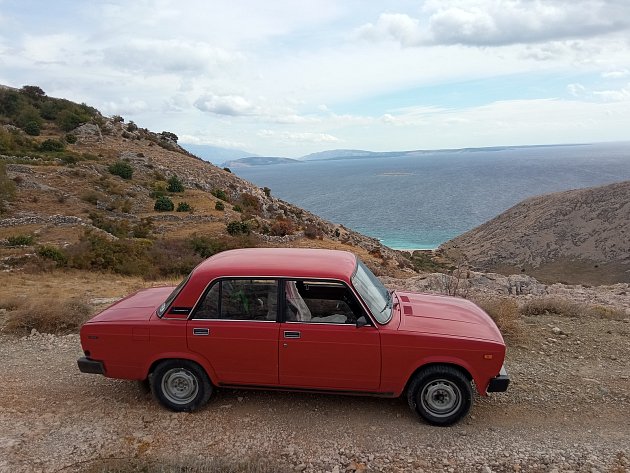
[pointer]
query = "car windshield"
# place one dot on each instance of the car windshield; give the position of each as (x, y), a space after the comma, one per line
(169, 300)
(373, 293)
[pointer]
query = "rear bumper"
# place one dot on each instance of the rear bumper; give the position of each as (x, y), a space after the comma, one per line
(499, 384)
(90, 366)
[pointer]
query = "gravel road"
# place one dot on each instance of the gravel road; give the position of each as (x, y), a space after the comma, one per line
(568, 409)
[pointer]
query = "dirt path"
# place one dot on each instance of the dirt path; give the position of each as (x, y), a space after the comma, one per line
(567, 410)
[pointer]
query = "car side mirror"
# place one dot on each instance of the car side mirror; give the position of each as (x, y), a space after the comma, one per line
(362, 322)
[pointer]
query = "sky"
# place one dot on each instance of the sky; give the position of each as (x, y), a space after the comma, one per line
(288, 78)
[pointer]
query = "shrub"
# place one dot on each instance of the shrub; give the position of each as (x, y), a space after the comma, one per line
(282, 227)
(184, 207)
(220, 194)
(227, 170)
(61, 317)
(69, 159)
(167, 135)
(163, 204)
(250, 203)
(68, 119)
(53, 253)
(311, 231)
(7, 187)
(20, 240)
(32, 128)
(219, 205)
(52, 145)
(552, 305)
(92, 197)
(70, 138)
(267, 191)
(506, 315)
(238, 228)
(175, 184)
(131, 126)
(122, 169)
(237, 208)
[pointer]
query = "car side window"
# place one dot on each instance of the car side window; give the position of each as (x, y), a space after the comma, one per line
(321, 302)
(240, 299)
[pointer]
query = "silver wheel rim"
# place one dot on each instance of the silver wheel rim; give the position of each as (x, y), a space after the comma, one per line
(179, 386)
(441, 398)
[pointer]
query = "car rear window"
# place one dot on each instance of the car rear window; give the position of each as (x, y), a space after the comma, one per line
(169, 300)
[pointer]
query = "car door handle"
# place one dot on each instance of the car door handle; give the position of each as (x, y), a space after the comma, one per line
(201, 331)
(289, 334)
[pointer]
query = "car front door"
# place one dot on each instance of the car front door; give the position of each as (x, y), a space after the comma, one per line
(321, 344)
(234, 327)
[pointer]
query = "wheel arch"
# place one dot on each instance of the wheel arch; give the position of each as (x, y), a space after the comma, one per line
(203, 363)
(452, 364)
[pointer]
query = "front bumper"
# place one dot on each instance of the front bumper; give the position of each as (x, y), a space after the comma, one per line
(499, 384)
(90, 366)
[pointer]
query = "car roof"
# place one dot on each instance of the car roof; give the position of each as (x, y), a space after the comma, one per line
(280, 262)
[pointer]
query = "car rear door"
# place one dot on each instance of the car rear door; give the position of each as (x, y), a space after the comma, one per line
(234, 327)
(321, 344)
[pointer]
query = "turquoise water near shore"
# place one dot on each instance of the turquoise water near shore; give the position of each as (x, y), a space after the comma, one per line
(422, 201)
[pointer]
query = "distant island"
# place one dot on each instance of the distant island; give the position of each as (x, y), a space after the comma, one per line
(258, 161)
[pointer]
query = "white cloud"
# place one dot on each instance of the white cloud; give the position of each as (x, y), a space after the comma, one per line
(500, 22)
(285, 136)
(205, 140)
(618, 95)
(232, 105)
(576, 90)
(616, 74)
(125, 106)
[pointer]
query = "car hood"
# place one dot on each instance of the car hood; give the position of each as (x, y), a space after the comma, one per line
(444, 315)
(136, 307)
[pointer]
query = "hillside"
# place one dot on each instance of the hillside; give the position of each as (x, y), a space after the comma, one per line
(81, 190)
(576, 236)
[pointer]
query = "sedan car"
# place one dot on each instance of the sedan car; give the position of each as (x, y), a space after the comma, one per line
(298, 319)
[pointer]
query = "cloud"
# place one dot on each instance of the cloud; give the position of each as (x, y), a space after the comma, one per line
(168, 56)
(619, 95)
(308, 137)
(233, 105)
(616, 74)
(213, 141)
(125, 106)
(576, 90)
(500, 22)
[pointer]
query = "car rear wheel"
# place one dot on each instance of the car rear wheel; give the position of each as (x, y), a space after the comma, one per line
(180, 385)
(441, 395)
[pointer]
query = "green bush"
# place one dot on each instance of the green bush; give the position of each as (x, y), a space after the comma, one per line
(122, 169)
(238, 228)
(267, 191)
(20, 240)
(68, 119)
(227, 170)
(175, 184)
(52, 145)
(32, 128)
(184, 207)
(70, 138)
(131, 126)
(220, 194)
(219, 205)
(53, 253)
(237, 208)
(282, 227)
(163, 204)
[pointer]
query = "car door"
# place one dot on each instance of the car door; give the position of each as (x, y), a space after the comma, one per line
(321, 344)
(234, 327)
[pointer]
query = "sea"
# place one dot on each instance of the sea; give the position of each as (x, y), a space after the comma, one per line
(418, 202)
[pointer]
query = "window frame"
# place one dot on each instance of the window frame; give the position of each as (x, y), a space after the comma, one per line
(220, 280)
(348, 287)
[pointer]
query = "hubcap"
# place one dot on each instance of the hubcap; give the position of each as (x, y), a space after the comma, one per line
(179, 386)
(441, 397)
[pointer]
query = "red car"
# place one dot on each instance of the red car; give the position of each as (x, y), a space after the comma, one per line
(297, 319)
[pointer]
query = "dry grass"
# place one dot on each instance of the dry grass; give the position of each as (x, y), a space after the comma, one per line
(505, 314)
(47, 316)
(565, 308)
(207, 465)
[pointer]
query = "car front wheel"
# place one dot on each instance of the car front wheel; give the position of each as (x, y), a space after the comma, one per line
(441, 395)
(180, 385)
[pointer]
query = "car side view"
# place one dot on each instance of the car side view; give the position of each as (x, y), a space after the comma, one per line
(298, 319)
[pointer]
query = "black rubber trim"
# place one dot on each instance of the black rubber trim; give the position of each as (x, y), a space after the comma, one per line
(90, 366)
(180, 310)
(306, 390)
(499, 384)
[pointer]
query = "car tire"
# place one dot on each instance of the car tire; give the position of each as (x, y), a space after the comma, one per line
(440, 394)
(180, 385)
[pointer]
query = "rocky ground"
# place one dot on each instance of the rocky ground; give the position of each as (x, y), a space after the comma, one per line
(568, 409)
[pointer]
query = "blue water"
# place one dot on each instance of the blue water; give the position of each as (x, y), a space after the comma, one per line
(420, 202)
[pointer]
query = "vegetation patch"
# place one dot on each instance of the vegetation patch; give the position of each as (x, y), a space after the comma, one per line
(238, 228)
(175, 184)
(122, 169)
(62, 316)
(506, 315)
(20, 240)
(183, 207)
(163, 204)
(220, 194)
